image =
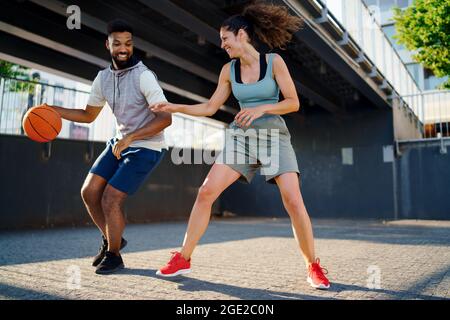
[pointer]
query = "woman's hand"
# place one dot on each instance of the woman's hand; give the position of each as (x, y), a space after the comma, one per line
(246, 116)
(164, 107)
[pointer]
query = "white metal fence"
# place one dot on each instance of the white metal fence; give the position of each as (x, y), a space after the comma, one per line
(361, 23)
(17, 96)
(432, 109)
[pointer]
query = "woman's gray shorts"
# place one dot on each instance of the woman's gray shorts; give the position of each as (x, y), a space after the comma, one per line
(266, 145)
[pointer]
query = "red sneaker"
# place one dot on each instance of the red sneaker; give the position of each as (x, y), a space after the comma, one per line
(176, 266)
(316, 276)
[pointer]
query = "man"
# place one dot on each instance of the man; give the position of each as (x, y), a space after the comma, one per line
(129, 87)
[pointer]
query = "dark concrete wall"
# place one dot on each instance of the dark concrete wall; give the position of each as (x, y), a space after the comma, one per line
(330, 188)
(414, 186)
(423, 183)
(42, 193)
(406, 125)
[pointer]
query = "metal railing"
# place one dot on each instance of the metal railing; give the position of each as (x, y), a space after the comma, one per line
(432, 111)
(359, 21)
(17, 96)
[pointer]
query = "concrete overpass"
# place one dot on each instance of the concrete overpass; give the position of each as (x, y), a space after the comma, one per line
(179, 40)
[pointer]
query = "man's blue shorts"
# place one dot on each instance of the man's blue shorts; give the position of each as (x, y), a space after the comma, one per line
(128, 173)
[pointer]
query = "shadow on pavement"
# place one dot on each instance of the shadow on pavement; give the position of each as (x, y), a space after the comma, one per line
(193, 285)
(58, 244)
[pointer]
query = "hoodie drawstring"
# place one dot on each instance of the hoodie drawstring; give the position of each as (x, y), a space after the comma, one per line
(120, 73)
(114, 93)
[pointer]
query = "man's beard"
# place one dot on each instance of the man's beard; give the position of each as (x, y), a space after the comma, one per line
(121, 64)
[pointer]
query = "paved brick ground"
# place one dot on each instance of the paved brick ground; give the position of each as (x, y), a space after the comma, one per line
(237, 259)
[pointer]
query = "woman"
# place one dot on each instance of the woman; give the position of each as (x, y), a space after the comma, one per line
(255, 80)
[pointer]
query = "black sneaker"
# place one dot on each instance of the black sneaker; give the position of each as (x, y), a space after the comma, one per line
(110, 263)
(101, 252)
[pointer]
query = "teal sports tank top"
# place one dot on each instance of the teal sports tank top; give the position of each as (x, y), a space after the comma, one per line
(264, 91)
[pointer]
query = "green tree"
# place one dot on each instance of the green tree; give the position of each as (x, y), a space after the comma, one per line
(8, 69)
(424, 27)
(17, 73)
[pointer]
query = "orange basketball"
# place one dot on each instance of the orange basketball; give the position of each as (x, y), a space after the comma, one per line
(42, 123)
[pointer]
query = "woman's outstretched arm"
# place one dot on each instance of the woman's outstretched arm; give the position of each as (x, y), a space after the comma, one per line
(209, 108)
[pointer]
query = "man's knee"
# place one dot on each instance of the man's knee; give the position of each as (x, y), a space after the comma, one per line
(92, 189)
(112, 199)
(91, 195)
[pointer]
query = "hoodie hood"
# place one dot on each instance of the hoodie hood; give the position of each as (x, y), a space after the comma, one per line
(131, 64)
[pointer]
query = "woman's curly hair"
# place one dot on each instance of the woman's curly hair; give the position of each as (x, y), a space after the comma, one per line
(271, 24)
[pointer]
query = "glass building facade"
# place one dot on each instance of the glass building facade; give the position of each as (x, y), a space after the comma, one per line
(384, 15)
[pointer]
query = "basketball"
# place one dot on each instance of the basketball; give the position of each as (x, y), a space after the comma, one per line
(42, 123)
